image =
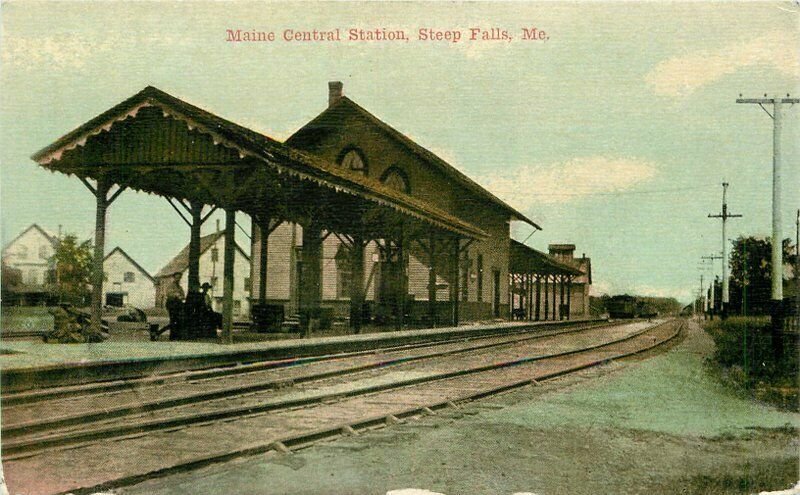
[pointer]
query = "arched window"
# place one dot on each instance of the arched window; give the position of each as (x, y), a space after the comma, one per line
(396, 178)
(353, 159)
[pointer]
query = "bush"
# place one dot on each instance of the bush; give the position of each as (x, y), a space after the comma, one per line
(744, 354)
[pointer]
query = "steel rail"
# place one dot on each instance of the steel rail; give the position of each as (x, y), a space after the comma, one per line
(27, 397)
(13, 449)
(296, 442)
(28, 427)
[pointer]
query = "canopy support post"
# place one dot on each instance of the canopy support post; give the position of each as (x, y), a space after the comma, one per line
(454, 285)
(546, 297)
(195, 209)
(432, 280)
(538, 296)
(311, 273)
(100, 192)
(227, 288)
(569, 296)
(263, 258)
(402, 292)
(357, 283)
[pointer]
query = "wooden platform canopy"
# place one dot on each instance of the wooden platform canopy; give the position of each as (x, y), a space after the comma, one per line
(159, 144)
(531, 271)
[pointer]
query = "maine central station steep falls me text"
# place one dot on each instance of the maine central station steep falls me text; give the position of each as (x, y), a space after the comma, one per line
(384, 34)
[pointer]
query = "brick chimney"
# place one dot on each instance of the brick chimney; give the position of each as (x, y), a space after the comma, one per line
(334, 92)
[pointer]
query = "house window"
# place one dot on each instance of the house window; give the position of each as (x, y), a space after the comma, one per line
(33, 277)
(480, 278)
(247, 285)
(22, 252)
(129, 277)
(44, 253)
(353, 159)
(396, 178)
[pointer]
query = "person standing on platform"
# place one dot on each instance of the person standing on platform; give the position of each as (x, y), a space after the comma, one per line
(175, 308)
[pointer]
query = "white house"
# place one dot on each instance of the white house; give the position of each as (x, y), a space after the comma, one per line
(27, 256)
(127, 283)
(212, 249)
(30, 253)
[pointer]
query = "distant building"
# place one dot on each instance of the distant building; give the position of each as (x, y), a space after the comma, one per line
(27, 261)
(212, 248)
(127, 283)
(581, 285)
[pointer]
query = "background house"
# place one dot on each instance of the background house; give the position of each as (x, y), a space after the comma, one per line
(127, 283)
(27, 264)
(212, 247)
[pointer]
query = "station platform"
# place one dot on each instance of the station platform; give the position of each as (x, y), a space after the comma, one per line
(26, 365)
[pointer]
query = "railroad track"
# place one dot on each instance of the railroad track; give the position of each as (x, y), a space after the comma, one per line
(259, 420)
(98, 404)
(138, 384)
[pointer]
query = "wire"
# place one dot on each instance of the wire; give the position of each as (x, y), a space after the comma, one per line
(619, 193)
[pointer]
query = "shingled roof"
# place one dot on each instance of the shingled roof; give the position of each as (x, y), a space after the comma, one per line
(275, 155)
(180, 263)
(310, 134)
(525, 259)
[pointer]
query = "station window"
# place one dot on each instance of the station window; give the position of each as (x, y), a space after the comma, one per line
(237, 307)
(129, 277)
(353, 159)
(396, 178)
(247, 284)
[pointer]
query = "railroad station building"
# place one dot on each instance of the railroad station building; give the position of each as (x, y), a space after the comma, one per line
(351, 218)
(351, 137)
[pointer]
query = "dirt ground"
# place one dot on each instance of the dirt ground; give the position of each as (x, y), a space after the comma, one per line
(659, 425)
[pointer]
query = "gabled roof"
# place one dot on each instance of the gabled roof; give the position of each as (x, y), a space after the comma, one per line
(133, 262)
(314, 131)
(180, 263)
(53, 239)
(525, 259)
(275, 156)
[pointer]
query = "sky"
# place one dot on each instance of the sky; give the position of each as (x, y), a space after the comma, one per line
(614, 133)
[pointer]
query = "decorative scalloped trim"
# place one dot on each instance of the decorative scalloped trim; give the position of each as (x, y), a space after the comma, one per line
(218, 140)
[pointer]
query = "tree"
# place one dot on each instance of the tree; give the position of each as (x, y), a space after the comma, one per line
(73, 262)
(751, 273)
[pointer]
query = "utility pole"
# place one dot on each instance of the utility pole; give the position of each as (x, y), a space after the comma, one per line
(702, 296)
(777, 235)
(725, 216)
(712, 298)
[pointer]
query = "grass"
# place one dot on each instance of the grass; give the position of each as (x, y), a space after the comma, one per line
(746, 478)
(744, 359)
